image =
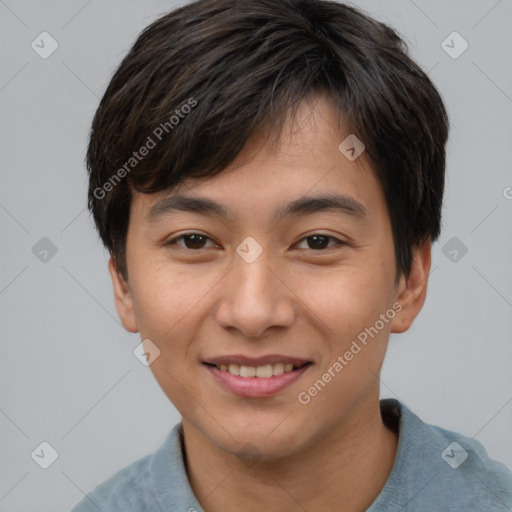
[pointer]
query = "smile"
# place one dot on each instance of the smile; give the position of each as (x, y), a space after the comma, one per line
(237, 375)
(261, 372)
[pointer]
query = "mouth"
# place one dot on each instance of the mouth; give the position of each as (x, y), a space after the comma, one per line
(256, 377)
(262, 372)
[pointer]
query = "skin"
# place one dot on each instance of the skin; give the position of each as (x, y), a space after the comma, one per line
(292, 300)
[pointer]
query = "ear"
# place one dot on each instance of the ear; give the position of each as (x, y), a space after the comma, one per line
(123, 298)
(412, 291)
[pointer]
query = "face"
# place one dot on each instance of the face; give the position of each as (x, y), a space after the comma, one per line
(257, 283)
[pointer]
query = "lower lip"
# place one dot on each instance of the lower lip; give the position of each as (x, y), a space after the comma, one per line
(256, 386)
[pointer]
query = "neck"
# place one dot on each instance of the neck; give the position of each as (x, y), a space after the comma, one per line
(348, 466)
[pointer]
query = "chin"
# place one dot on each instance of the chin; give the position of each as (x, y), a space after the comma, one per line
(263, 441)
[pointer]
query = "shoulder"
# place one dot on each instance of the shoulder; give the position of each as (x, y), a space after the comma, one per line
(481, 483)
(438, 469)
(142, 485)
(126, 490)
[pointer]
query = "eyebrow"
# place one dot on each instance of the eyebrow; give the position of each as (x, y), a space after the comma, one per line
(305, 205)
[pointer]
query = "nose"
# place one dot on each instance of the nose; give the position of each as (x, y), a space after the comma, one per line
(255, 298)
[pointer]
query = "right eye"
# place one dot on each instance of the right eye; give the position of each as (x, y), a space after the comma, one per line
(192, 241)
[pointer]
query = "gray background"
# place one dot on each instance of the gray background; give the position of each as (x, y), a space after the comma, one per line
(69, 376)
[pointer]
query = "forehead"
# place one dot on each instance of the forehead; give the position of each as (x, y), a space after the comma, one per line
(306, 162)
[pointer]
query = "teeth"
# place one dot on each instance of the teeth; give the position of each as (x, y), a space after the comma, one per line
(264, 371)
(257, 371)
(278, 369)
(247, 371)
(234, 369)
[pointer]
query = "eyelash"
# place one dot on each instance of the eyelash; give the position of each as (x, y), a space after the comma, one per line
(173, 241)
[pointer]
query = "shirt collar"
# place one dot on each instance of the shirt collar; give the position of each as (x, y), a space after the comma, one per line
(413, 443)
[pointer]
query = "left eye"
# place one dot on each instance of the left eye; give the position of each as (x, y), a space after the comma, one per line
(320, 241)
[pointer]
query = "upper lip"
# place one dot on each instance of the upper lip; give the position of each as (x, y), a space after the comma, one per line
(256, 361)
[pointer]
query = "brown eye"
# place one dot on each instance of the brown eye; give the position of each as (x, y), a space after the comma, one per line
(318, 242)
(191, 241)
(194, 241)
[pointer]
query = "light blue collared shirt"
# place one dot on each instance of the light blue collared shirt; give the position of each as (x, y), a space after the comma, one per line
(434, 470)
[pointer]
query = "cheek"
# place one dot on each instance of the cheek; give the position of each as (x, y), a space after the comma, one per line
(350, 303)
(170, 306)
(170, 302)
(347, 300)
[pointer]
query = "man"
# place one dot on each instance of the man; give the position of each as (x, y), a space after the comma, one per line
(268, 178)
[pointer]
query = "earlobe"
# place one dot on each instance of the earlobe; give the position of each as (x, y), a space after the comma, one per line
(123, 298)
(412, 290)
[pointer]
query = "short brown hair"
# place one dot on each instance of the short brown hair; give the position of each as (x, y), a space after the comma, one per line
(247, 64)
